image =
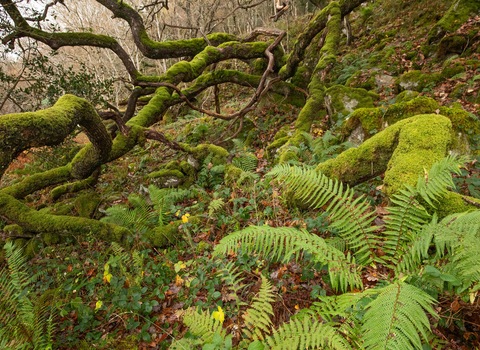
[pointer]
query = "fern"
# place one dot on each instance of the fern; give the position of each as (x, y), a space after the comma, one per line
(284, 242)
(215, 205)
(305, 335)
(394, 319)
(142, 217)
(409, 217)
(351, 217)
(257, 317)
(202, 324)
(231, 277)
(26, 321)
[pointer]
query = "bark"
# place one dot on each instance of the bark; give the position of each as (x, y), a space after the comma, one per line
(50, 127)
(306, 37)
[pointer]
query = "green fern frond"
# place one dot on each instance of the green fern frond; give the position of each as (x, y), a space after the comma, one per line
(282, 242)
(230, 276)
(246, 161)
(435, 183)
(185, 344)
(202, 324)
(25, 320)
(351, 217)
(307, 334)
(257, 317)
(215, 205)
(396, 317)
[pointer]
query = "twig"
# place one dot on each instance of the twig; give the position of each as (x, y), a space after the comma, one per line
(469, 201)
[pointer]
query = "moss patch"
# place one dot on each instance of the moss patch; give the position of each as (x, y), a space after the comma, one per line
(87, 204)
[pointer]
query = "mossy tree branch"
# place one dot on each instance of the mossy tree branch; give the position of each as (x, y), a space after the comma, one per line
(315, 26)
(50, 127)
(154, 49)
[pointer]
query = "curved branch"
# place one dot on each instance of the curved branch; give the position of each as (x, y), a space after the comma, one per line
(153, 49)
(50, 127)
(315, 26)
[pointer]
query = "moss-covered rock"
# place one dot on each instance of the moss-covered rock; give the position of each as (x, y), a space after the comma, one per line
(406, 96)
(402, 151)
(167, 178)
(451, 70)
(87, 204)
(417, 81)
(455, 44)
(453, 19)
(232, 173)
(343, 100)
(373, 120)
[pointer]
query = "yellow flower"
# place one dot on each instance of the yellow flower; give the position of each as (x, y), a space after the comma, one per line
(177, 213)
(185, 218)
(98, 305)
(219, 315)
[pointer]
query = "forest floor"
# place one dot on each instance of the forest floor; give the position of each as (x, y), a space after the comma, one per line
(112, 298)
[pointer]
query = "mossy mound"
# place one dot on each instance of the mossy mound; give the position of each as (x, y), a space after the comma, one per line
(175, 174)
(87, 204)
(402, 151)
(457, 14)
(417, 81)
(365, 122)
(343, 100)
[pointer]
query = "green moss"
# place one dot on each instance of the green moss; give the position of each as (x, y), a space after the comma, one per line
(201, 152)
(417, 81)
(275, 145)
(421, 143)
(167, 178)
(453, 19)
(450, 203)
(76, 186)
(451, 44)
(13, 230)
(401, 151)
(48, 127)
(344, 100)
(87, 204)
(189, 171)
(406, 96)
(202, 247)
(450, 71)
(59, 209)
(372, 120)
(232, 173)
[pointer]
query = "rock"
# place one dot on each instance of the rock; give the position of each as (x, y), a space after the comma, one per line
(87, 204)
(343, 100)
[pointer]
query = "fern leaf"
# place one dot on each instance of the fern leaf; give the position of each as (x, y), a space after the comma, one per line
(307, 334)
(202, 324)
(282, 242)
(351, 217)
(396, 317)
(439, 178)
(257, 317)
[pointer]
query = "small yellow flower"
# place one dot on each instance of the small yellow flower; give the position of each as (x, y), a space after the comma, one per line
(98, 305)
(219, 315)
(185, 218)
(177, 213)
